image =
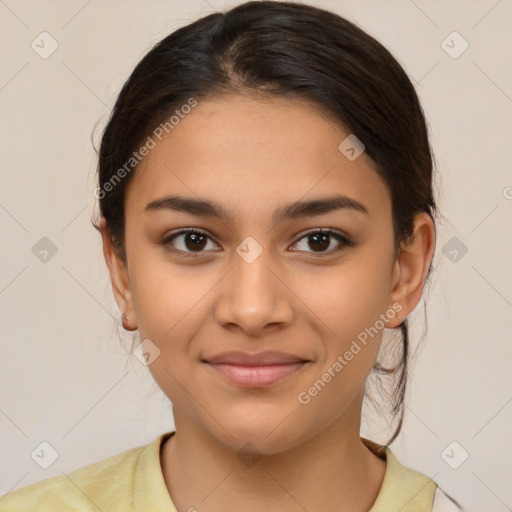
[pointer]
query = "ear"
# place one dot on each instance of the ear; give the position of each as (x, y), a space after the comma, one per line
(119, 278)
(411, 267)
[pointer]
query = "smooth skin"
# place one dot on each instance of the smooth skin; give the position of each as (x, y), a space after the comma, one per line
(254, 157)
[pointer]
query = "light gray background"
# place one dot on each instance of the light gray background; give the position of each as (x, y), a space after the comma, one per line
(66, 378)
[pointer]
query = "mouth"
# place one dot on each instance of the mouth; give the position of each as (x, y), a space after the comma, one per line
(258, 370)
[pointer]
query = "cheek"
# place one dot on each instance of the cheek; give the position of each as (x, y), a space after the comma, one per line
(349, 298)
(165, 297)
(168, 309)
(350, 301)
(170, 312)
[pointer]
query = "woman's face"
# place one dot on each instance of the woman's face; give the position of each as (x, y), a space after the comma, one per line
(260, 278)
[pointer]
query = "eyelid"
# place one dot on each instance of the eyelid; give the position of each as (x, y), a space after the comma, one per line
(329, 231)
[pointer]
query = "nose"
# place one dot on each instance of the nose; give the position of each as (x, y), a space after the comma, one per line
(254, 296)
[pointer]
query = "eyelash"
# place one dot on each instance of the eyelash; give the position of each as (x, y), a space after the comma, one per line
(344, 241)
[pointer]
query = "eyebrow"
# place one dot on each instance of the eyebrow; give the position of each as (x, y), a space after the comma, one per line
(297, 209)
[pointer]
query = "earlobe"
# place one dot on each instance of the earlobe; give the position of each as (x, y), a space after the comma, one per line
(118, 277)
(128, 324)
(411, 267)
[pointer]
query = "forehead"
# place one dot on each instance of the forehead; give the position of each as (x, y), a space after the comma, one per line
(250, 153)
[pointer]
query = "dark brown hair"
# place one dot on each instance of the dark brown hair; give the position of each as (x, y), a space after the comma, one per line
(281, 49)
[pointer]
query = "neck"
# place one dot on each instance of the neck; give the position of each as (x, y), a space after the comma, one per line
(333, 470)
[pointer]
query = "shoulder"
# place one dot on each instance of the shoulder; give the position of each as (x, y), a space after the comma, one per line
(406, 489)
(103, 485)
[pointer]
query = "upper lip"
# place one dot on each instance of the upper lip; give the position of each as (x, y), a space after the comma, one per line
(256, 359)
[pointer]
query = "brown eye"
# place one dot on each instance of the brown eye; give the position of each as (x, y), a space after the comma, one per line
(188, 241)
(194, 241)
(320, 241)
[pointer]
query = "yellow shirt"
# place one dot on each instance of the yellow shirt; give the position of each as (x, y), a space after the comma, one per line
(132, 481)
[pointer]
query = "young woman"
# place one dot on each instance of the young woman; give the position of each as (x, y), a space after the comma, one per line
(265, 187)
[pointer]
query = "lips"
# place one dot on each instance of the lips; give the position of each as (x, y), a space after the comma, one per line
(256, 370)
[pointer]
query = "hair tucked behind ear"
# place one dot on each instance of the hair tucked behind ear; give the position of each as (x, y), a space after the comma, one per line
(285, 50)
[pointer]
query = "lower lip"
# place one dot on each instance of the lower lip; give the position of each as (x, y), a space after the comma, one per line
(256, 376)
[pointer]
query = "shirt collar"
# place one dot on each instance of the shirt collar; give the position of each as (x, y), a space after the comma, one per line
(150, 491)
(402, 488)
